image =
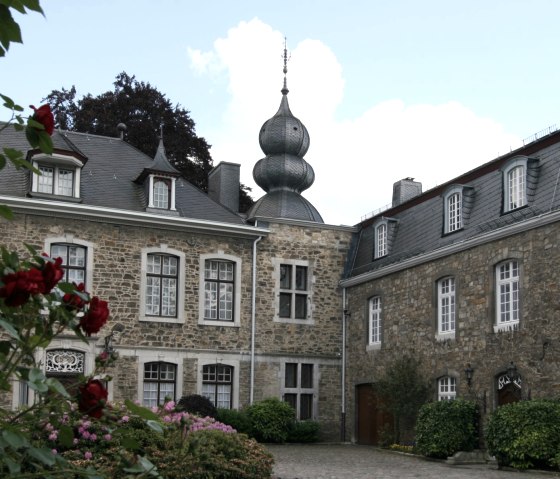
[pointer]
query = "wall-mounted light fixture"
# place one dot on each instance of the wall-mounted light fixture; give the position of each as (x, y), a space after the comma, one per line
(469, 373)
(512, 373)
(115, 330)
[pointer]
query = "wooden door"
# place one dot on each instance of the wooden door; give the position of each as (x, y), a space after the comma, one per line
(371, 417)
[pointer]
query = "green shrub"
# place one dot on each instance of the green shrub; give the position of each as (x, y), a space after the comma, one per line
(304, 431)
(212, 454)
(446, 427)
(196, 404)
(235, 418)
(525, 434)
(271, 420)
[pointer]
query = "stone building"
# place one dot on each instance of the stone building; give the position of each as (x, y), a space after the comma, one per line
(464, 279)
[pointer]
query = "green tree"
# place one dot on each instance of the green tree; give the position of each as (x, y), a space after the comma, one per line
(144, 110)
(404, 390)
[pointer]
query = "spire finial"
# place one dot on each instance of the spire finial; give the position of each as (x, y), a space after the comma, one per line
(285, 70)
(161, 131)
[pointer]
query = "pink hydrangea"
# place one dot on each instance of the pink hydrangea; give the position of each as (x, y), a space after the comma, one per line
(88, 455)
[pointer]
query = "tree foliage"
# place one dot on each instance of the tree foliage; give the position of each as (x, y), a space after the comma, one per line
(145, 111)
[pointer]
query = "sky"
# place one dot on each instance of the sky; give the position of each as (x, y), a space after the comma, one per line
(425, 89)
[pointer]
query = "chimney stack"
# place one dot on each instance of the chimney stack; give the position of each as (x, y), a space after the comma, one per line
(405, 189)
(223, 185)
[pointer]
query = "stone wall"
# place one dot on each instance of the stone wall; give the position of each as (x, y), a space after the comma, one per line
(409, 321)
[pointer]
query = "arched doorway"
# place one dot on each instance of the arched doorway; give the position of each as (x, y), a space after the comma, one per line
(372, 418)
(67, 366)
(509, 390)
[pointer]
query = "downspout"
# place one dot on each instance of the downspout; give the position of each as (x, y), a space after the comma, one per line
(253, 320)
(343, 373)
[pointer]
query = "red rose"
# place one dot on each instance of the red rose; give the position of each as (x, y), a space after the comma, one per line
(74, 300)
(20, 285)
(92, 397)
(95, 317)
(44, 116)
(52, 274)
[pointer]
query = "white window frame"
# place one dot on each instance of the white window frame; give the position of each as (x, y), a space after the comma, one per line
(163, 250)
(375, 322)
(299, 390)
(152, 179)
(446, 308)
(515, 187)
(208, 360)
(158, 356)
(57, 162)
(159, 381)
(216, 384)
(277, 263)
(381, 239)
(69, 240)
(453, 214)
(220, 256)
(507, 292)
(447, 388)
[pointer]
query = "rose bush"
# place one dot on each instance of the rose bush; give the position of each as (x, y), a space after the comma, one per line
(92, 398)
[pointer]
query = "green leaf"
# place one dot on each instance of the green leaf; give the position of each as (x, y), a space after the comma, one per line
(15, 439)
(13, 466)
(55, 385)
(130, 443)
(45, 142)
(10, 329)
(35, 124)
(142, 465)
(35, 374)
(155, 425)
(6, 212)
(8, 102)
(65, 436)
(43, 455)
(141, 411)
(2, 161)
(10, 31)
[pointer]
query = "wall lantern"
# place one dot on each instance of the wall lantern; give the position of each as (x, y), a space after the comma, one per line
(469, 373)
(512, 373)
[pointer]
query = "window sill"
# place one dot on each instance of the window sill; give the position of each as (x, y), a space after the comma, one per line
(160, 319)
(214, 322)
(445, 336)
(373, 346)
(307, 321)
(512, 326)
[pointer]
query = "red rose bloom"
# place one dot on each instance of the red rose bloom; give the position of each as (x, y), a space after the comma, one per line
(73, 300)
(20, 285)
(95, 317)
(52, 274)
(44, 116)
(92, 397)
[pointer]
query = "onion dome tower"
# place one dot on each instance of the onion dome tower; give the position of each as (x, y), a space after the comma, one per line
(283, 173)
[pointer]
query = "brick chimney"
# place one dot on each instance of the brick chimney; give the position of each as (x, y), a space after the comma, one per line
(405, 189)
(223, 185)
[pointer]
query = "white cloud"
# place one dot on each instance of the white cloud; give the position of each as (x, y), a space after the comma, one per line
(356, 161)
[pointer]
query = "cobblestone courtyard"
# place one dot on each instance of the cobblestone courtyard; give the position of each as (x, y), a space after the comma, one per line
(364, 462)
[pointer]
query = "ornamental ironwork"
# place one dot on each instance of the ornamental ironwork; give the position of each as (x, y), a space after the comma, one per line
(65, 361)
(505, 380)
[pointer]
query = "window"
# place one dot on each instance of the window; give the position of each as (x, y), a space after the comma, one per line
(299, 388)
(161, 194)
(375, 321)
(447, 388)
(381, 240)
(293, 291)
(67, 366)
(446, 306)
(217, 384)
(219, 282)
(73, 261)
(161, 285)
(59, 175)
(516, 188)
(454, 213)
(159, 383)
(507, 295)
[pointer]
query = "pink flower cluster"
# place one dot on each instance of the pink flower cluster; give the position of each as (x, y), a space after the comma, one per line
(195, 423)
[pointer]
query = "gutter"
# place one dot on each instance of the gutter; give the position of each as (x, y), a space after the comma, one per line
(126, 217)
(253, 320)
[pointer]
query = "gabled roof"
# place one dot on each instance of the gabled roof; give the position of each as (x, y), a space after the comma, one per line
(420, 220)
(107, 178)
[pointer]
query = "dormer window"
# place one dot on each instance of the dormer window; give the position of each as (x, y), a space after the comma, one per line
(383, 234)
(453, 204)
(515, 184)
(381, 240)
(161, 193)
(59, 176)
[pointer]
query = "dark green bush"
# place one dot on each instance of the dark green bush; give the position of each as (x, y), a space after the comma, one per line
(525, 434)
(304, 431)
(211, 454)
(237, 419)
(446, 427)
(271, 420)
(196, 404)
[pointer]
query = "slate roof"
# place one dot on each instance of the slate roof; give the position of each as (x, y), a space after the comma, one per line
(419, 222)
(107, 179)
